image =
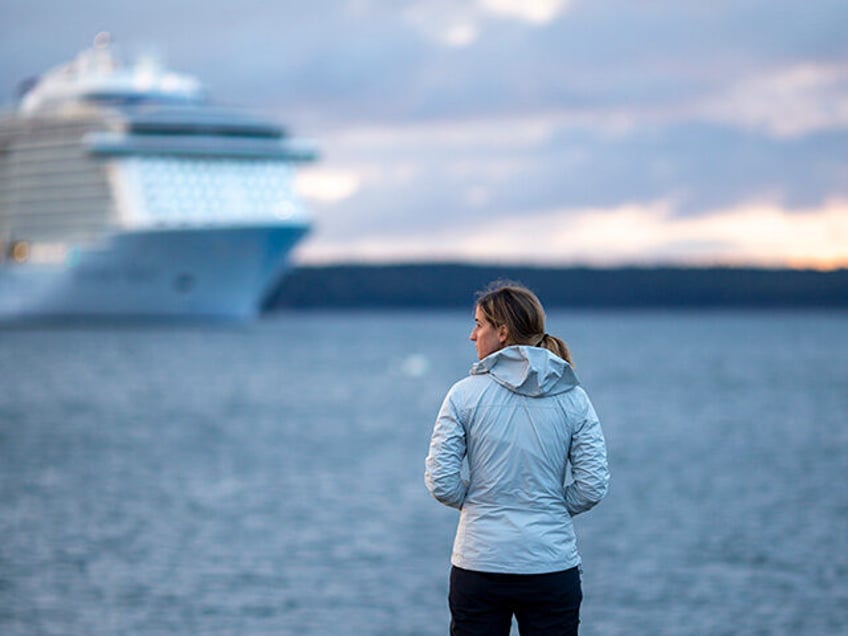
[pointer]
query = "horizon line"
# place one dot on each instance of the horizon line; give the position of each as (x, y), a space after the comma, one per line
(376, 263)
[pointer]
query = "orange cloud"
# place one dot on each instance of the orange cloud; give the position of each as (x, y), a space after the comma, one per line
(758, 234)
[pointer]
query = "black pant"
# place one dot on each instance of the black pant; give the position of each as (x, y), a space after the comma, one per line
(483, 603)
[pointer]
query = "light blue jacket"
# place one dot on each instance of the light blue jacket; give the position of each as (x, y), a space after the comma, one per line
(520, 420)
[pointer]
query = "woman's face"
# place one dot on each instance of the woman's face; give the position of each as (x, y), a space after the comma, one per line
(485, 336)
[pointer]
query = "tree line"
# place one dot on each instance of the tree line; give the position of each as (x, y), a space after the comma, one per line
(452, 285)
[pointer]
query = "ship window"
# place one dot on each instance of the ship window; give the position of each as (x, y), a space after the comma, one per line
(215, 190)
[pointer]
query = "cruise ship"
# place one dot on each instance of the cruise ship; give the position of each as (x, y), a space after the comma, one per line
(126, 193)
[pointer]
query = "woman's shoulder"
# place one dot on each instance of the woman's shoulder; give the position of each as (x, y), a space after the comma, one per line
(470, 384)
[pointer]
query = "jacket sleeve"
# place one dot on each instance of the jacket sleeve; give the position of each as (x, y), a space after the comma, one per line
(443, 465)
(589, 469)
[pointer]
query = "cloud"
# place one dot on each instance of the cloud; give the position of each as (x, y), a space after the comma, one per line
(533, 11)
(459, 24)
(791, 101)
(750, 233)
(429, 174)
(454, 24)
(326, 186)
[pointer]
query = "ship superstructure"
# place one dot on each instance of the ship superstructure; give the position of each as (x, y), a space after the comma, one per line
(125, 192)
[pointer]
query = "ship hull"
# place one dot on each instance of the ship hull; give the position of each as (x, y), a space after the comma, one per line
(203, 274)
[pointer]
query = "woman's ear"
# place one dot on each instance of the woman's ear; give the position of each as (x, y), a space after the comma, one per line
(503, 334)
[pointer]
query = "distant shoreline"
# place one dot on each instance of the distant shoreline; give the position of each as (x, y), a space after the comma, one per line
(452, 285)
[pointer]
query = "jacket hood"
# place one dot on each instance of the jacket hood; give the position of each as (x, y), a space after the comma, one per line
(531, 371)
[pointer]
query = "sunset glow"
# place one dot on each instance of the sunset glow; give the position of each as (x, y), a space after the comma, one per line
(755, 234)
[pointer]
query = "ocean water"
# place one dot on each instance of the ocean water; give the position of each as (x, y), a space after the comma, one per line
(268, 479)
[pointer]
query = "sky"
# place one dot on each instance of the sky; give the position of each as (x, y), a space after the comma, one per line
(547, 132)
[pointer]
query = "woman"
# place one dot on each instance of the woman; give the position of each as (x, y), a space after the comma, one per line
(519, 420)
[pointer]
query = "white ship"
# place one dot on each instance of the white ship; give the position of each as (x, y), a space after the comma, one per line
(125, 193)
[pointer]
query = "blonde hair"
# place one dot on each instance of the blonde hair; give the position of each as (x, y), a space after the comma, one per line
(519, 309)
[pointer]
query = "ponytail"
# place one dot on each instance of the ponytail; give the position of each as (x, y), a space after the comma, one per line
(557, 346)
